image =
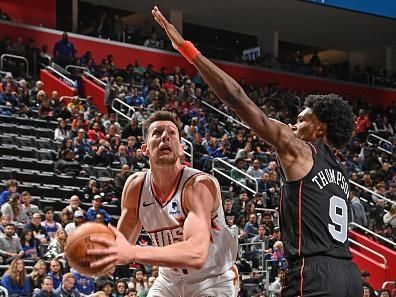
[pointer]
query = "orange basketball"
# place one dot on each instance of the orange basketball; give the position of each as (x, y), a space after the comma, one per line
(79, 242)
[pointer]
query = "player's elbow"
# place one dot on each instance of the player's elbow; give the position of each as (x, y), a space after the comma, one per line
(199, 256)
(199, 261)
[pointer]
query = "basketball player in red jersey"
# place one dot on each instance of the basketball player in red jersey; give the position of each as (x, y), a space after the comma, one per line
(181, 209)
(314, 199)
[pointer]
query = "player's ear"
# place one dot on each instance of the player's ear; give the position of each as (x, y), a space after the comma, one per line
(321, 129)
(181, 149)
(144, 149)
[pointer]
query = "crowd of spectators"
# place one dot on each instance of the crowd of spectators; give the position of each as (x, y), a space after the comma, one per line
(89, 137)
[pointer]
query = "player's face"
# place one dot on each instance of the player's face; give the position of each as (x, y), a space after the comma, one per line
(163, 144)
(308, 126)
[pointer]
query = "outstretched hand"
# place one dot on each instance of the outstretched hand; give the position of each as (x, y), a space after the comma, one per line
(170, 30)
(113, 253)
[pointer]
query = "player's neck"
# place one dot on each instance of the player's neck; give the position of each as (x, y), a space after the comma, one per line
(164, 178)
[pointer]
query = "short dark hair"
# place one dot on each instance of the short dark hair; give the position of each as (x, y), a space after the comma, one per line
(48, 208)
(332, 110)
(159, 116)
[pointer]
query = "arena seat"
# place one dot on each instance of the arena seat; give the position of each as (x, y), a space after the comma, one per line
(102, 172)
(7, 139)
(25, 141)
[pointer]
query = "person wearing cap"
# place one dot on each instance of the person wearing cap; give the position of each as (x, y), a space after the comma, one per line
(79, 218)
(366, 282)
(170, 84)
(95, 209)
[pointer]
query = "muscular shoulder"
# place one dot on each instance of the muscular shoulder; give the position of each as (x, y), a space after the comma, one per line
(132, 188)
(201, 183)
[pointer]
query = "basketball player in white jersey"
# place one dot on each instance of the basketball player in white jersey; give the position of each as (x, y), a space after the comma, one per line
(181, 209)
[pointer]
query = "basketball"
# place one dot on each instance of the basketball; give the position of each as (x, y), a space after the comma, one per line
(78, 244)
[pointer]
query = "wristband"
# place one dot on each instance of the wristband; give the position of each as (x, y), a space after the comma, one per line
(188, 50)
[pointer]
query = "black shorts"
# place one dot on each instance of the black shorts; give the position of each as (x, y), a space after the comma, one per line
(323, 276)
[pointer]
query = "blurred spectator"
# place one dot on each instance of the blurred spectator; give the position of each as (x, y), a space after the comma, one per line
(121, 288)
(55, 272)
(120, 180)
(4, 221)
(95, 134)
(81, 146)
(13, 209)
(366, 282)
(279, 254)
(50, 225)
(84, 284)
(255, 170)
(56, 248)
(137, 281)
(39, 232)
(132, 129)
(251, 227)
(96, 209)
(112, 121)
(390, 217)
(152, 41)
(140, 162)
(78, 219)
(68, 165)
(362, 125)
(11, 186)
(37, 276)
(121, 158)
(29, 246)
(236, 174)
(357, 210)
(64, 51)
(106, 286)
(67, 288)
(10, 245)
(61, 131)
(47, 288)
(28, 208)
(15, 280)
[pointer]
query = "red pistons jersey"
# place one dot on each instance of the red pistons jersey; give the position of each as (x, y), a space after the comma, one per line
(165, 224)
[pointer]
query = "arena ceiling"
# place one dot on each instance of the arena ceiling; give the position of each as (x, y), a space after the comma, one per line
(296, 21)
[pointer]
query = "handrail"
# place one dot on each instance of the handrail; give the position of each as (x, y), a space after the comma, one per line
(373, 233)
(254, 191)
(191, 153)
(76, 67)
(15, 57)
(379, 143)
(270, 210)
(370, 250)
(372, 192)
(97, 80)
(127, 115)
(224, 114)
(46, 56)
(70, 81)
(387, 283)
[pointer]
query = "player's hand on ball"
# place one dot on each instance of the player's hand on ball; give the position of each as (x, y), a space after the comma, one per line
(115, 252)
(170, 30)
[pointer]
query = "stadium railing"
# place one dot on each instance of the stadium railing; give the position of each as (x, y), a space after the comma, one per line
(381, 143)
(385, 261)
(372, 192)
(3, 56)
(372, 233)
(217, 169)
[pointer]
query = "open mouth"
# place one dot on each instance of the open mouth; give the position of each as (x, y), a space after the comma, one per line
(165, 149)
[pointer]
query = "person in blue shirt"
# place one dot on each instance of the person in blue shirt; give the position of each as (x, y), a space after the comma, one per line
(15, 280)
(95, 209)
(84, 284)
(55, 272)
(64, 51)
(11, 185)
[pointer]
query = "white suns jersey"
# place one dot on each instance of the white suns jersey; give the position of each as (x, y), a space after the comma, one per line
(165, 225)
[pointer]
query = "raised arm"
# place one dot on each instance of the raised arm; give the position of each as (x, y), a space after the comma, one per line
(232, 94)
